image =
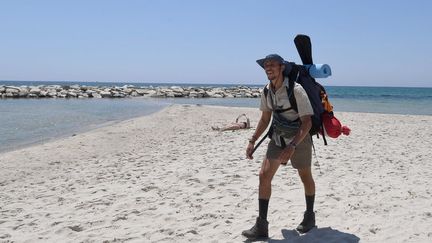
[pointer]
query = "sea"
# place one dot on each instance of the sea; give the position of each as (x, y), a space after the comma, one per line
(29, 121)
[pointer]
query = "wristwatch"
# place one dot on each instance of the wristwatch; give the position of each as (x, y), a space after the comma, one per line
(292, 144)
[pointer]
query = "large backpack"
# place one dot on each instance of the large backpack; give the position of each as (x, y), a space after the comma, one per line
(315, 92)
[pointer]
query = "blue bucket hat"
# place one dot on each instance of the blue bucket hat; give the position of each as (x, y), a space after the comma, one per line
(275, 57)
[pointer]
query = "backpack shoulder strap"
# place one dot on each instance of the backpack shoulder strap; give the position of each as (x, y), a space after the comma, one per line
(266, 90)
(290, 90)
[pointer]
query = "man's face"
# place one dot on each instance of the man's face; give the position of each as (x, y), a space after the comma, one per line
(273, 69)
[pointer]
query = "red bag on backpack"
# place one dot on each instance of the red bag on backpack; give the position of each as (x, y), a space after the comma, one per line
(332, 126)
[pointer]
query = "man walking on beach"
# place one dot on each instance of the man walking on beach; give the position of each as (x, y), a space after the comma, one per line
(296, 147)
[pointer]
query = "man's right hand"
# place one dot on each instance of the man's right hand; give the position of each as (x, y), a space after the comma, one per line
(249, 150)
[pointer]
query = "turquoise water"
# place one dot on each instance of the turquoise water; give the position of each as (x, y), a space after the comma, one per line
(388, 100)
(27, 121)
(380, 93)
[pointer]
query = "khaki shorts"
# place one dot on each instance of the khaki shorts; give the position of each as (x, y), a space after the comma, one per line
(302, 156)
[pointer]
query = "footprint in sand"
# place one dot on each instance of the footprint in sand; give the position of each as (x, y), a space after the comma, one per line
(5, 236)
(76, 228)
(148, 188)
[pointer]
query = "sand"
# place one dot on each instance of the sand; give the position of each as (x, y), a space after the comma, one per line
(168, 177)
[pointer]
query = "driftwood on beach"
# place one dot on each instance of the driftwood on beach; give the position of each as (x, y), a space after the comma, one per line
(82, 91)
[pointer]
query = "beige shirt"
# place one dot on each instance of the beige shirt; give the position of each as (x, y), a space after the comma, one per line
(281, 101)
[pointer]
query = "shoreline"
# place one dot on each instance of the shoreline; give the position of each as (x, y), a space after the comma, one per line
(92, 127)
(169, 177)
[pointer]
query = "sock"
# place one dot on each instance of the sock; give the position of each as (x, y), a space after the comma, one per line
(310, 203)
(263, 208)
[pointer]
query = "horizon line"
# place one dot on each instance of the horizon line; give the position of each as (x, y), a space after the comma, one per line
(196, 83)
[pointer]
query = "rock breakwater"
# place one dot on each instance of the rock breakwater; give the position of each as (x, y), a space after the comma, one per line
(82, 91)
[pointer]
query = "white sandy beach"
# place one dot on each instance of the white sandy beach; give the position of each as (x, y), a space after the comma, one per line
(169, 177)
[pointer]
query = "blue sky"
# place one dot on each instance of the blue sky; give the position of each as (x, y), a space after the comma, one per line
(367, 43)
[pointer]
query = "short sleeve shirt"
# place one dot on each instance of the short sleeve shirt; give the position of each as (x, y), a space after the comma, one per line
(281, 101)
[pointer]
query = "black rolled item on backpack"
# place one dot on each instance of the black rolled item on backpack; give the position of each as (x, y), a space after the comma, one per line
(304, 48)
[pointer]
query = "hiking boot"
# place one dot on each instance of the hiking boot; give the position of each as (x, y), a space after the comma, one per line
(258, 231)
(308, 222)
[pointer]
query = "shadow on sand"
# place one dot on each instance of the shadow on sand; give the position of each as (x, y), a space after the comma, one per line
(317, 235)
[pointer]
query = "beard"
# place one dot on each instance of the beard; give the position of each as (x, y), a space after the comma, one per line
(272, 76)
